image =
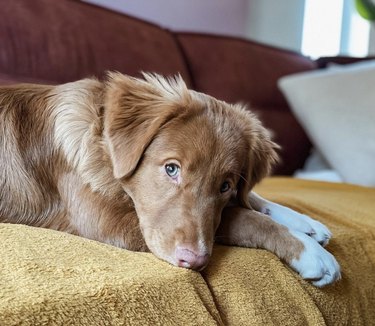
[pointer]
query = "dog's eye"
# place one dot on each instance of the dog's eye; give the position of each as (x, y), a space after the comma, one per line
(225, 187)
(172, 170)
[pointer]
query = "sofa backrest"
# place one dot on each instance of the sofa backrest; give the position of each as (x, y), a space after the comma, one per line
(65, 40)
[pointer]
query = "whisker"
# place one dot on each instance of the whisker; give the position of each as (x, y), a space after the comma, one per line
(241, 177)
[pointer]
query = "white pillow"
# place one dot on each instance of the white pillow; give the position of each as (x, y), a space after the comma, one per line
(337, 109)
(316, 167)
(316, 162)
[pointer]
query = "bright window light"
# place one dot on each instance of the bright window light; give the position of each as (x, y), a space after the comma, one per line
(333, 27)
(359, 36)
(322, 28)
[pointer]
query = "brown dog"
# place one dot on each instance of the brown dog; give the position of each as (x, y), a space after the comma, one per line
(148, 165)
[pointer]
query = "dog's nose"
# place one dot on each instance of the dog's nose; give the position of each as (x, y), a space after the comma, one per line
(189, 259)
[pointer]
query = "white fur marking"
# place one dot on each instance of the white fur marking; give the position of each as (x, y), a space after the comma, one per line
(293, 220)
(315, 263)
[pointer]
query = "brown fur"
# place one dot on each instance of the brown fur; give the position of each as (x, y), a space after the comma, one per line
(249, 228)
(89, 158)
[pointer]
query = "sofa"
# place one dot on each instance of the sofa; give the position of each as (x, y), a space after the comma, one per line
(53, 278)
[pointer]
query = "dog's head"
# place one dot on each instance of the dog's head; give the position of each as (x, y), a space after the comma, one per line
(182, 156)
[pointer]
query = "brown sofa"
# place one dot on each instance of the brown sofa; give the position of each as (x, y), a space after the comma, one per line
(50, 278)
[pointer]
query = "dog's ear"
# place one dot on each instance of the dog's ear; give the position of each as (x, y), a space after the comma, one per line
(260, 159)
(135, 110)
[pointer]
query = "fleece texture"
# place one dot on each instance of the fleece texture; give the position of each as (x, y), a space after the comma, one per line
(53, 278)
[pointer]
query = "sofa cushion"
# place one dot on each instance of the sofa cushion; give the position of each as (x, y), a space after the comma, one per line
(236, 70)
(337, 109)
(69, 40)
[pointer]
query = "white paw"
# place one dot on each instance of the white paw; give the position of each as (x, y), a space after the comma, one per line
(320, 232)
(315, 263)
(299, 222)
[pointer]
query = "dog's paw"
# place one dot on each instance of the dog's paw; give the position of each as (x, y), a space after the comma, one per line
(320, 232)
(315, 263)
(300, 222)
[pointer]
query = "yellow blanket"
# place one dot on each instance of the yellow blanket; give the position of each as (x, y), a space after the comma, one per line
(52, 278)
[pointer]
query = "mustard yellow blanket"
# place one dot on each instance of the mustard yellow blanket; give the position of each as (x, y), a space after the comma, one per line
(52, 278)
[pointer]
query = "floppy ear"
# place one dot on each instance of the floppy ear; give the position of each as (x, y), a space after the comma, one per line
(261, 158)
(135, 110)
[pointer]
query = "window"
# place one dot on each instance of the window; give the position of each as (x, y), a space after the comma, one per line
(334, 27)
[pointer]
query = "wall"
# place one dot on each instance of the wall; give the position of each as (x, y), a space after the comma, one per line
(371, 49)
(211, 16)
(268, 21)
(276, 22)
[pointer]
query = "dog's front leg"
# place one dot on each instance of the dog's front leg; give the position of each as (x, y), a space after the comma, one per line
(92, 215)
(291, 219)
(248, 228)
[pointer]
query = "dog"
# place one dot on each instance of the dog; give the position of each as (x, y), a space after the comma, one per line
(146, 164)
